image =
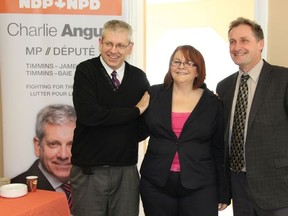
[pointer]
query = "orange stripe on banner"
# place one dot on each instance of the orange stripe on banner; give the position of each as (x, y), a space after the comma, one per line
(83, 7)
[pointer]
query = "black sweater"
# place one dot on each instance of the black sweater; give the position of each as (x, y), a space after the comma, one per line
(107, 120)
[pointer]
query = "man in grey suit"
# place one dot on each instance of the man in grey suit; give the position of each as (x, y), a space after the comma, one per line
(260, 186)
(55, 124)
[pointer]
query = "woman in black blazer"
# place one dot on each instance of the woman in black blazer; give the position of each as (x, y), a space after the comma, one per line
(182, 173)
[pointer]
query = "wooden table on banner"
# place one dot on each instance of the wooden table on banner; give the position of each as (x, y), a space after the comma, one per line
(39, 203)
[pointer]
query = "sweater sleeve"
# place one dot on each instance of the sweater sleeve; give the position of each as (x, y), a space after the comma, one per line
(89, 110)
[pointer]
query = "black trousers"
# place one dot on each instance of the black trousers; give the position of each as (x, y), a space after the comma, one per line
(243, 202)
(175, 200)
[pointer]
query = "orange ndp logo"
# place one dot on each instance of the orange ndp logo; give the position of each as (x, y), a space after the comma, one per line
(81, 7)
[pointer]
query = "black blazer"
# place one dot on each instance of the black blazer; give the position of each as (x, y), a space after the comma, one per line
(266, 148)
(42, 183)
(200, 145)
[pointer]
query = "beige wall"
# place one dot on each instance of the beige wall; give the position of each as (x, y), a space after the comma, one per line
(277, 33)
(218, 14)
(1, 140)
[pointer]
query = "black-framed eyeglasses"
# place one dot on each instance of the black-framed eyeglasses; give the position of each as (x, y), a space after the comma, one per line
(119, 46)
(186, 64)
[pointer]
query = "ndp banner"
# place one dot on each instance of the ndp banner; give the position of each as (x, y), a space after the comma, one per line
(41, 43)
(84, 7)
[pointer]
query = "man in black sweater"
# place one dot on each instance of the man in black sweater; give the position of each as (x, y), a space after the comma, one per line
(109, 96)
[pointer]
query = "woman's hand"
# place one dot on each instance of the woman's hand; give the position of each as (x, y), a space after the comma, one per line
(143, 103)
(222, 206)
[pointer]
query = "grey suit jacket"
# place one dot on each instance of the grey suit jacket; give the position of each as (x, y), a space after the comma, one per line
(266, 148)
(43, 182)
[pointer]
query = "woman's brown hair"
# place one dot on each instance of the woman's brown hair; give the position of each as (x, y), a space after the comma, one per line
(190, 54)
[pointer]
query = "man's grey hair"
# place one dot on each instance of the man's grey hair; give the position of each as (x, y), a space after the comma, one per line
(54, 114)
(117, 25)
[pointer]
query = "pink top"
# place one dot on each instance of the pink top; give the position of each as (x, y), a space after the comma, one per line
(178, 121)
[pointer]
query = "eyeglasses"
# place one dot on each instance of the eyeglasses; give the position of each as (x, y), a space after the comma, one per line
(110, 45)
(186, 64)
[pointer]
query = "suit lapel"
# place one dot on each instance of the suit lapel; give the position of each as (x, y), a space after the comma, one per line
(261, 89)
(202, 104)
(166, 108)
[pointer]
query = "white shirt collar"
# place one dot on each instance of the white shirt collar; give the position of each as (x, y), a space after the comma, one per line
(120, 71)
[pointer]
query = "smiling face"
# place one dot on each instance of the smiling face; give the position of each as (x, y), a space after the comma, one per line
(115, 46)
(245, 49)
(182, 74)
(54, 151)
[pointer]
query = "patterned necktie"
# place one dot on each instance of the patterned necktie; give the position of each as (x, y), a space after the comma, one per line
(237, 137)
(115, 81)
(67, 189)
